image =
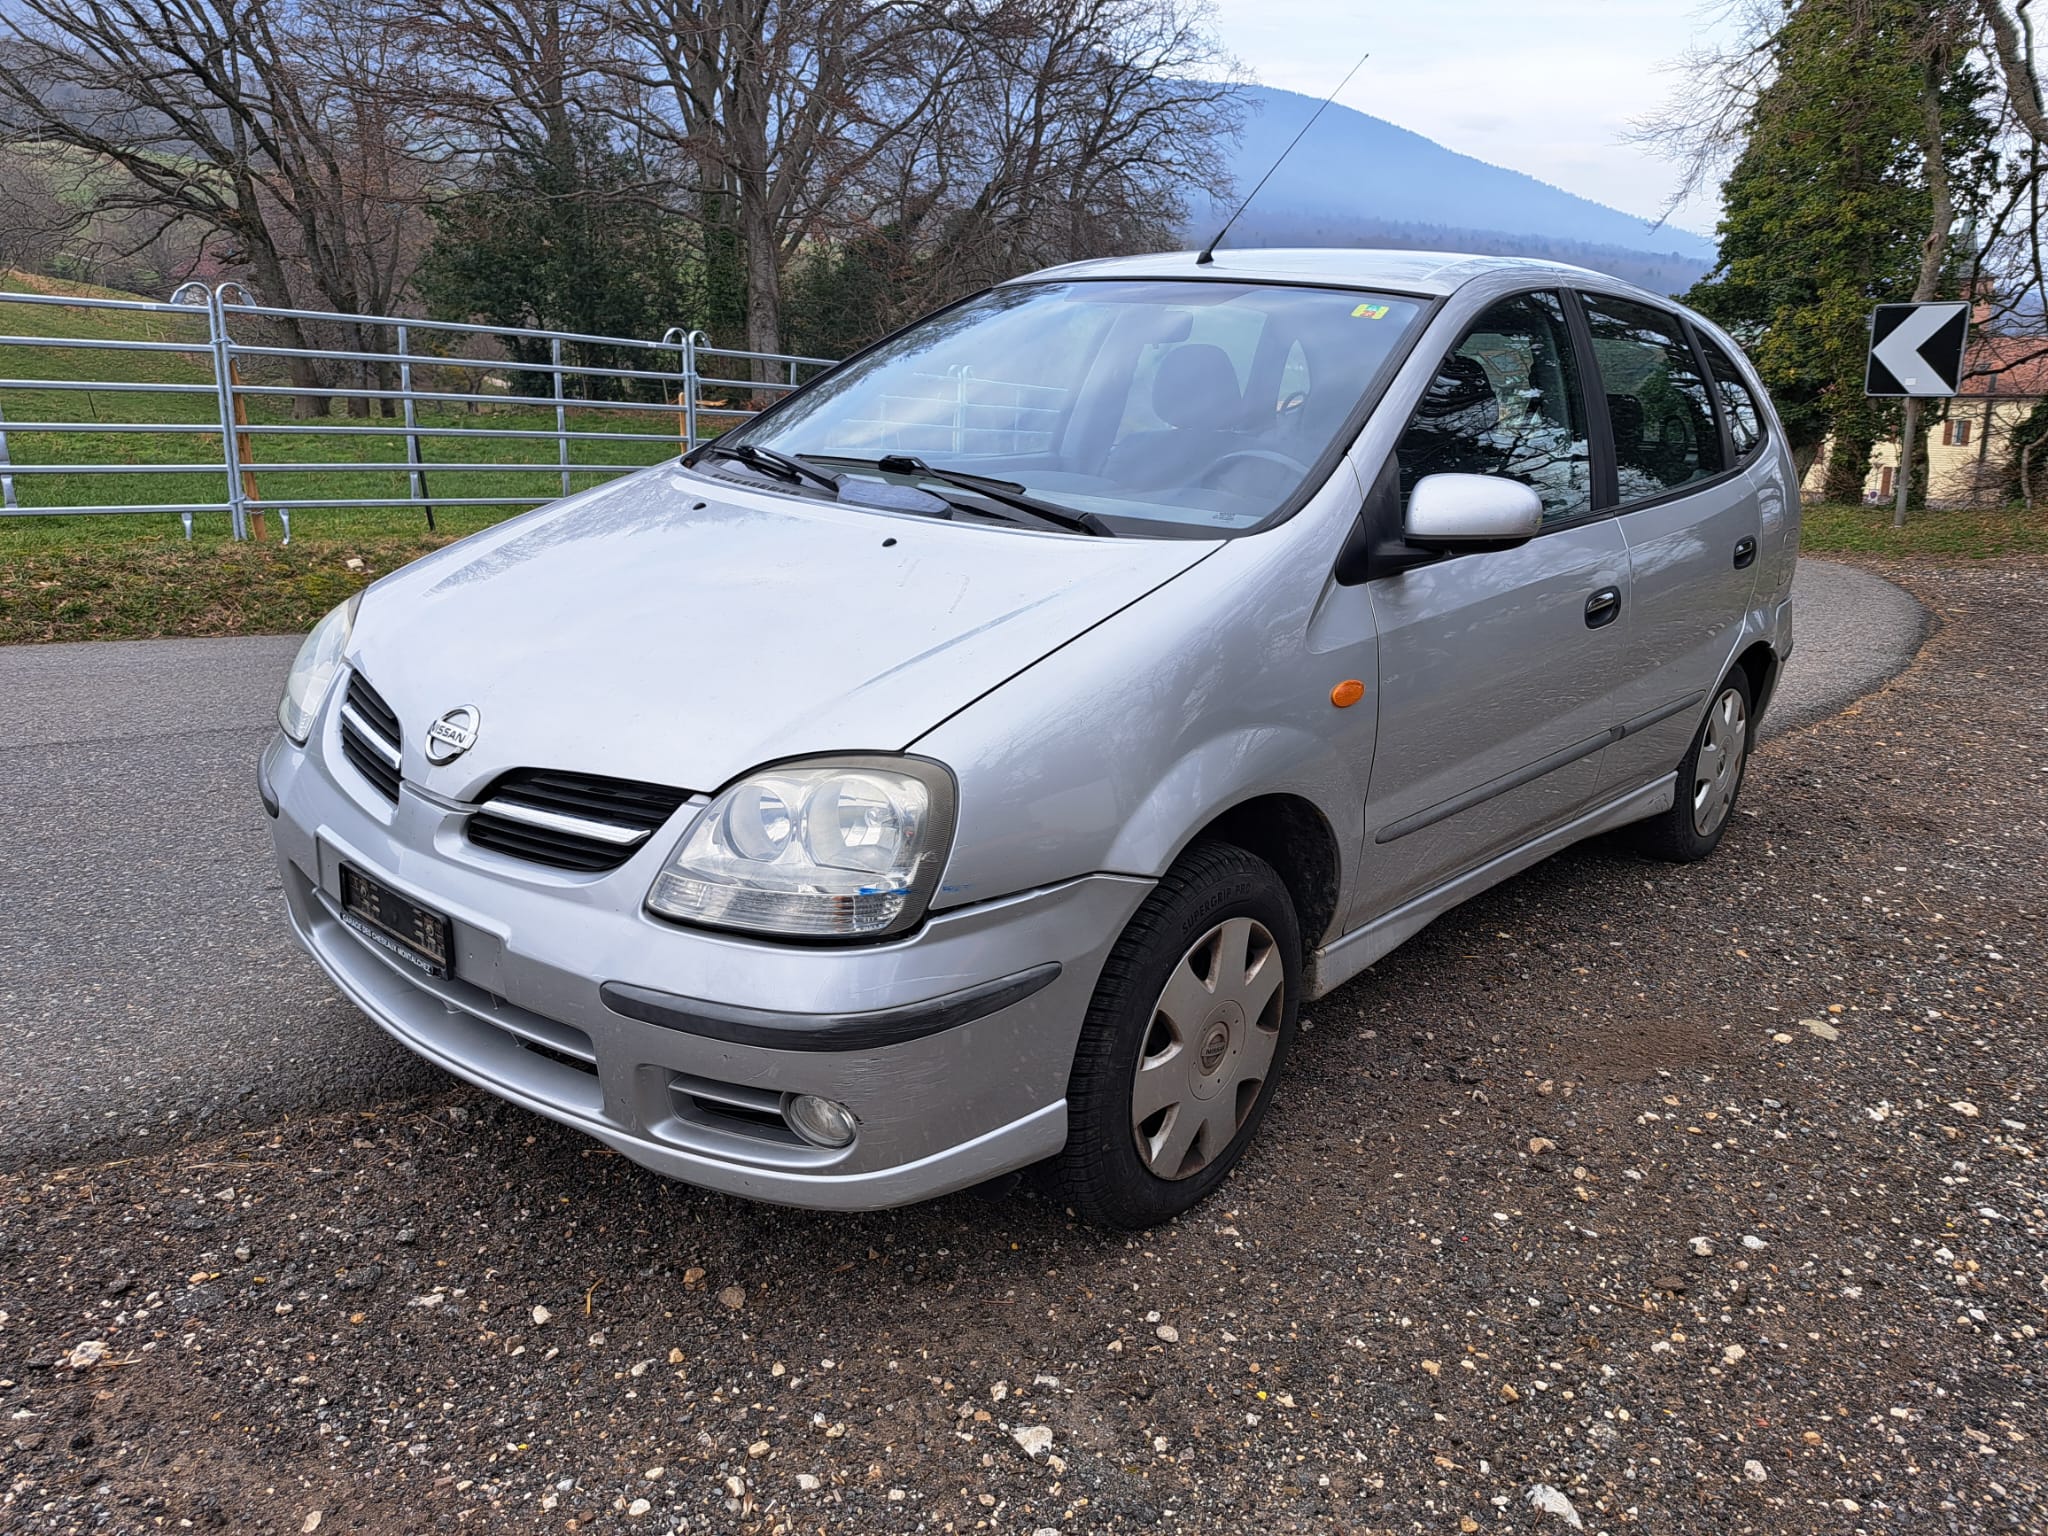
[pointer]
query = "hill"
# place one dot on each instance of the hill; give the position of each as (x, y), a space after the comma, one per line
(1359, 180)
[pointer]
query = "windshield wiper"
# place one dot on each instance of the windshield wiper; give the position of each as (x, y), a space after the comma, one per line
(769, 461)
(1004, 492)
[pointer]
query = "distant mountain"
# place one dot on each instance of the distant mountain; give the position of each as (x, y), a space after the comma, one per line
(1359, 180)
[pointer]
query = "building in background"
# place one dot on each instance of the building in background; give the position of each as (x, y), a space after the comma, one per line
(1971, 443)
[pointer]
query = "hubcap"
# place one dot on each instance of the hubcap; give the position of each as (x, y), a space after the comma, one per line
(1717, 771)
(1209, 1046)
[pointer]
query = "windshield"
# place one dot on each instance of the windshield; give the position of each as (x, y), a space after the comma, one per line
(1198, 407)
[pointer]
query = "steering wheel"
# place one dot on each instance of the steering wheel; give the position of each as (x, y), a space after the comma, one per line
(1207, 479)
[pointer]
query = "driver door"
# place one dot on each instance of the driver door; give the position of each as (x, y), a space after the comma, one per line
(1498, 669)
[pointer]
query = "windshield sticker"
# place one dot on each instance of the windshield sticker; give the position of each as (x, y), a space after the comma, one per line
(1371, 312)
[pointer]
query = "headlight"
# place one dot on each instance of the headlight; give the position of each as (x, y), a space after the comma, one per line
(847, 849)
(313, 670)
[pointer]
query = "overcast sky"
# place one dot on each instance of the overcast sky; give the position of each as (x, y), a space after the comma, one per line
(1548, 88)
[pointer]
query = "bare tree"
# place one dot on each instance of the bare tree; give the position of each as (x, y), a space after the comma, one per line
(776, 105)
(35, 219)
(1080, 132)
(261, 120)
(1055, 130)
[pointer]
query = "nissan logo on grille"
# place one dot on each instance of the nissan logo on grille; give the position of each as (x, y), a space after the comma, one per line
(453, 734)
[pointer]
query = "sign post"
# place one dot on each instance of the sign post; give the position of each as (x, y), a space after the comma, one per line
(1916, 353)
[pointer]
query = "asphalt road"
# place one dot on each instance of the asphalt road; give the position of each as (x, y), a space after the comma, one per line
(149, 986)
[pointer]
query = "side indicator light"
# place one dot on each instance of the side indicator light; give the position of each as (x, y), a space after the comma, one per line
(1347, 693)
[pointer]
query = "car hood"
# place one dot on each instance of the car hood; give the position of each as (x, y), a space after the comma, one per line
(667, 629)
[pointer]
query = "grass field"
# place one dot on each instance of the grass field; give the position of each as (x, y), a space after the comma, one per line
(136, 575)
(1833, 528)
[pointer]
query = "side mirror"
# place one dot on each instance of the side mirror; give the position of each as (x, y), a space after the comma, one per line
(1453, 512)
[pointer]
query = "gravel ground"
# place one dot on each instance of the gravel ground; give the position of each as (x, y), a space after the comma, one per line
(1626, 1197)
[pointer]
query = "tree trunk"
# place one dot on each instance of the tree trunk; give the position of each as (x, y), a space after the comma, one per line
(1912, 492)
(273, 289)
(764, 290)
(1803, 455)
(1849, 458)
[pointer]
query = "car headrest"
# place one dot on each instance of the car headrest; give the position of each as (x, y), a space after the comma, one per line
(1197, 387)
(1461, 396)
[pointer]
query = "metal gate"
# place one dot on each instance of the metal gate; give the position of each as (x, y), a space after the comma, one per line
(224, 392)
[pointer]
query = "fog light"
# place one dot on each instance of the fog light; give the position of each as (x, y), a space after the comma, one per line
(820, 1121)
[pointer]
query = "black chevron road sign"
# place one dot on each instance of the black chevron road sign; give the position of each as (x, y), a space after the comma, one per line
(1916, 349)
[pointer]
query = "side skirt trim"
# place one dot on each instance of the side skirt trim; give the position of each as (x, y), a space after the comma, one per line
(1337, 962)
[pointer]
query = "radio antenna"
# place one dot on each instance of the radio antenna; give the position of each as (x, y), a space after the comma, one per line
(1209, 251)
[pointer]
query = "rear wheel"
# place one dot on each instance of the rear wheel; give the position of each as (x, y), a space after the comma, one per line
(1709, 779)
(1184, 1039)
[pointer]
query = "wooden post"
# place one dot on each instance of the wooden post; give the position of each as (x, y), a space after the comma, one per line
(259, 528)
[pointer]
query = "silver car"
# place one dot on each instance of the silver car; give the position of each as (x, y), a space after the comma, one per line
(977, 760)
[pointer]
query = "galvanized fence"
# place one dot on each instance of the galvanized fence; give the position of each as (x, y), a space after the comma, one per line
(226, 385)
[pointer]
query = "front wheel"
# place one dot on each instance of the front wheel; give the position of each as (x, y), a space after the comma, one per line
(1184, 1040)
(1709, 778)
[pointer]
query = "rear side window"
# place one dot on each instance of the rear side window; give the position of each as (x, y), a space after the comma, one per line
(1745, 422)
(1506, 401)
(1664, 432)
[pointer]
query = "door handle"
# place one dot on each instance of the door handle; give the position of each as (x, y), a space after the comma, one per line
(1745, 553)
(1603, 607)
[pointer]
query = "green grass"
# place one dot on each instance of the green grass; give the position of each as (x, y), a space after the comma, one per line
(365, 440)
(133, 575)
(1835, 528)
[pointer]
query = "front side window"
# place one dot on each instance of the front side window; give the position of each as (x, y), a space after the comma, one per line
(1738, 405)
(1506, 401)
(1168, 407)
(1663, 420)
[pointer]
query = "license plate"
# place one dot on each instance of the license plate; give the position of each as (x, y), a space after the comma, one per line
(413, 932)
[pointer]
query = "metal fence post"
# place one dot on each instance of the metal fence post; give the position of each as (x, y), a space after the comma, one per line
(417, 477)
(561, 413)
(6, 480)
(961, 372)
(691, 341)
(217, 334)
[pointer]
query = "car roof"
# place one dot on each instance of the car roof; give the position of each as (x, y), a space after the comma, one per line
(1431, 274)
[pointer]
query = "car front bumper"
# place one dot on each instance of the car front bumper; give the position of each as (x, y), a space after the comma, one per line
(952, 1046)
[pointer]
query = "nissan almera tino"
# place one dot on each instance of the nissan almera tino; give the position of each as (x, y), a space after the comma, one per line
(978, 759)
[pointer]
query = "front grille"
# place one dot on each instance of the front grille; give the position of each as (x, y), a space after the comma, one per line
(370, 737)
(571, 820)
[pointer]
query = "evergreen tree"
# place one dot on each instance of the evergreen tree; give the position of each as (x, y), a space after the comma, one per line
(562, 238)
(1826, 208)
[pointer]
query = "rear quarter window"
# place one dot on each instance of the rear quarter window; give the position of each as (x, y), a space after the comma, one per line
(1738, 405)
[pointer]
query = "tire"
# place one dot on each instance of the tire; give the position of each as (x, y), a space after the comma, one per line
(1705, 802)
(1171, 1000)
